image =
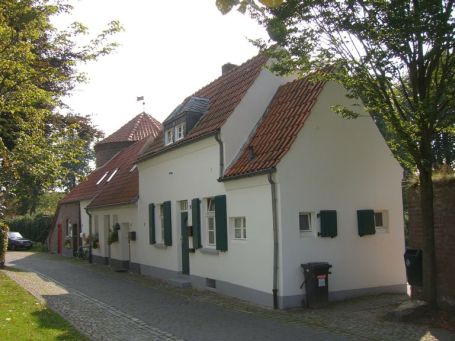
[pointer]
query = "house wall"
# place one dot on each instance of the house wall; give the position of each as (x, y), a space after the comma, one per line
(85, 219)
(192, 172)
(444, 222)
(117, 254)
(342, 165)
(67, 212)
(241, 122)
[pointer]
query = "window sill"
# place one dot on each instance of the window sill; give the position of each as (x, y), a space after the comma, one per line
(209, 251)
(307, 234)
(382, 230)
(160, 246)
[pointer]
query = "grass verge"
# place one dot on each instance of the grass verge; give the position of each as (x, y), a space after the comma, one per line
(23, 317)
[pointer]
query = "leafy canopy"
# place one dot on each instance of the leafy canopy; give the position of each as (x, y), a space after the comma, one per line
(397, 56)
(40, 148)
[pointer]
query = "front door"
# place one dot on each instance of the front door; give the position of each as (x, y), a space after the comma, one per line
(185, 246)
(75, 239)
(59, 238)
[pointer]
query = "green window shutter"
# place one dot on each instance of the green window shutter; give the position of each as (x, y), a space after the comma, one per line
(167, 223)
(329, 227)
(196, 218)
(152, 239)
(221, 223)
(365, 221)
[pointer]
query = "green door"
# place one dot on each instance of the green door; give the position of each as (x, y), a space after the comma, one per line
(185, 248)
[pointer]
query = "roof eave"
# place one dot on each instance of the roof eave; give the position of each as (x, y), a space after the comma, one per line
(130, 202)
(248, 175)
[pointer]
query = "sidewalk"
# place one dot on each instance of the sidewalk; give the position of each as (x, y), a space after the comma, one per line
(106, 305)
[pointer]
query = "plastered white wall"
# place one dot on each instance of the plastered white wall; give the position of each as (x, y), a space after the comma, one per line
(241, 122)
(85, 220)
(192, 172)
(342, 165)
(126, 215)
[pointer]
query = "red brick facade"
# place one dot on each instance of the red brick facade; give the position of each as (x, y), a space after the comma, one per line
(444, 219)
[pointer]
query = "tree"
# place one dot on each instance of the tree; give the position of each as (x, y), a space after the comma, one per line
(38, 67)
(397, 56)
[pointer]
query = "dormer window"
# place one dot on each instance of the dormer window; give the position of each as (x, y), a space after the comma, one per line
(179, 131)
(180, 122)
(169, 136)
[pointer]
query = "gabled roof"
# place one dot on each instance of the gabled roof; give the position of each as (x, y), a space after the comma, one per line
(278, 129)
(139, 127)
(224, 95)
(123, 188)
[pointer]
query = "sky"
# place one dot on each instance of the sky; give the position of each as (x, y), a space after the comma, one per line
(169, 50)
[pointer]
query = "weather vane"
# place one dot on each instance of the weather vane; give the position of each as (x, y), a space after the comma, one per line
(141, 98)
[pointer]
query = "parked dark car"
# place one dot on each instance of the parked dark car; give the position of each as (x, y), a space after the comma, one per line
(16, 241)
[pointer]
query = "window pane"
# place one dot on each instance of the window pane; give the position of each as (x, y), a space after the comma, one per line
(211, 221)
(211, 205)
(183, 205)
(211, 237)
(238, 233)
(378, 219)
(238, 222)
(244, 233)
(304, 221)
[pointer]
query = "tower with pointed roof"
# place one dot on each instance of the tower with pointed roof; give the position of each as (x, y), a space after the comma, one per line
(141, 126)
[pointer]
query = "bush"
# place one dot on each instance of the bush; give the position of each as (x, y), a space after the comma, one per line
(3, 242)
(35, 228)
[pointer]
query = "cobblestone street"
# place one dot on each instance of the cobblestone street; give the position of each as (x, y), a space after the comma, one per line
(106, 305)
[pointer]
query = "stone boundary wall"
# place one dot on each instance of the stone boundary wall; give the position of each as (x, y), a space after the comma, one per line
(444, 209)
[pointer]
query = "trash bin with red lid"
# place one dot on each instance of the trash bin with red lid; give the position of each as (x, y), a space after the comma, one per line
(316, 280)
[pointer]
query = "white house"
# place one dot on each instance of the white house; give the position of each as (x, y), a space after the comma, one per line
(254, 175)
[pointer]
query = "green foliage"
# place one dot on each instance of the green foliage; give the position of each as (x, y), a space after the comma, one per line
(40, 148)
(35, 228)
(3, 240)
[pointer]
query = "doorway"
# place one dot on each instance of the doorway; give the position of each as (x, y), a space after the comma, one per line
(185, 244)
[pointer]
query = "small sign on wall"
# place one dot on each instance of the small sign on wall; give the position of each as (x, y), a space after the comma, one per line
(321, 280)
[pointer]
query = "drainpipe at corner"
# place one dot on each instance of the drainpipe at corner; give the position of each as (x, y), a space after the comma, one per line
(218, 139)
(275, 240)
(90, 258)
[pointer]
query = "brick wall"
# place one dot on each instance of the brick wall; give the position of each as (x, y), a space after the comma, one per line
(444, 219)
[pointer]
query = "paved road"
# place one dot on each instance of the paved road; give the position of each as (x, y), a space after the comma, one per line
(107, 305)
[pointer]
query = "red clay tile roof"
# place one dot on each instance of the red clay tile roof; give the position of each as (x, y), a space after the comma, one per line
(122, 188)
(278, 129)
(139, 127)
(224, 94)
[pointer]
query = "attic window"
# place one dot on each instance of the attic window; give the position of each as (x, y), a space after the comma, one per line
(169, 136)
(102, 178)
(179, 129)
(112, 175)
(133, 168)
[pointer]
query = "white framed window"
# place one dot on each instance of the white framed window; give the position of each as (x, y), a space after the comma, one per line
(381, 220)
(211, 223)
(239, 227)
(169, 136)
(305, 223)
(179, 131)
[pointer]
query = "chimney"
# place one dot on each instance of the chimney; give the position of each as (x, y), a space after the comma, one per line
(227, 67)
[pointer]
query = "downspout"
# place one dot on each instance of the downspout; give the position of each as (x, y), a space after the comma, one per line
(275, 241)
(218, 139)
(90, 258)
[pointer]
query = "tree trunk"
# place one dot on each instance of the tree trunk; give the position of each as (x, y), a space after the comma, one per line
(429, 259)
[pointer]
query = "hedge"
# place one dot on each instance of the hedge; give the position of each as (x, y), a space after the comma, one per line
(35, 228)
